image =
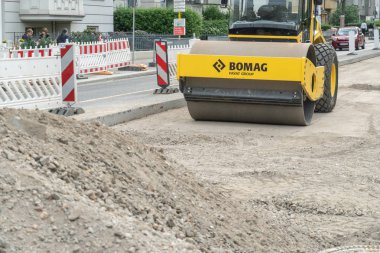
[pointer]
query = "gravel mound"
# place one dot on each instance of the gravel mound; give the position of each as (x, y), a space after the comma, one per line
(67, 186)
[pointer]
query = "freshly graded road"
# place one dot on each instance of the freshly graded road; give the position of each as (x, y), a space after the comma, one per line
(316, 187)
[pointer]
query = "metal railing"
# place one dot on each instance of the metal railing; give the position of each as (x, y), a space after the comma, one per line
(143, 41)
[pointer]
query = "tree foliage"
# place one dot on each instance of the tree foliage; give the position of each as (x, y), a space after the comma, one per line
(155, 20)
(215, 21)
(215, 27)
(214, 13)
(350, 15)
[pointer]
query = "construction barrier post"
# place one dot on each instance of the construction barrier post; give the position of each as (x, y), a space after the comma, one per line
(161, 48)
(351, 43)
(69, 82)
(376, 39)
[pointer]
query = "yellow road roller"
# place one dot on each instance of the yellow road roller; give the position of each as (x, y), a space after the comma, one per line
(276, 67)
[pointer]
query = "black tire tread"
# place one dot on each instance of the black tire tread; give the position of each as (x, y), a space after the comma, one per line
(326, 55)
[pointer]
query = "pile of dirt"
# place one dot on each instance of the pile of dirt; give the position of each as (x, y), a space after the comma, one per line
(68, 186)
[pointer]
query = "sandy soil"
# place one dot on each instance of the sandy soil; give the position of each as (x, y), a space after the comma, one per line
(313, 187)
(66, 186)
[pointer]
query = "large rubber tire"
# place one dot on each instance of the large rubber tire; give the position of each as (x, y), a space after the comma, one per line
(326, 56)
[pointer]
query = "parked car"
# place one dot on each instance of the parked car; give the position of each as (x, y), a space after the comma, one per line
(341, 38)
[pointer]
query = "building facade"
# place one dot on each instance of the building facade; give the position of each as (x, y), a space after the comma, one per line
(367, 8)
(328, 7)
(75, 15)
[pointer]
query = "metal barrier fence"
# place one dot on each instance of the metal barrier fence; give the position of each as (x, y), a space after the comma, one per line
(143, 42)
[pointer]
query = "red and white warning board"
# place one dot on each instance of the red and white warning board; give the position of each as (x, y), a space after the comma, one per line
(179, 27)
(69, 81)
(162, 63)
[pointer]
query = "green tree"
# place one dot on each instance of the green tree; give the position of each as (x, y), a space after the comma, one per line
(214, 13)
(350, 14)
(215, 27)
(215, 22)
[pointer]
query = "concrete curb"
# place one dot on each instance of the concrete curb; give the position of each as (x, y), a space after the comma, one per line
(118, 77)
(360, 58)
(139, 112)
(144, 111)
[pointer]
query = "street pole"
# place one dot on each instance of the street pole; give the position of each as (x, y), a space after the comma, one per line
(133, 31)
(1, 22)
(179, 17)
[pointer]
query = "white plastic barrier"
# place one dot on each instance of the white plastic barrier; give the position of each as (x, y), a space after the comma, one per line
(31, 83)
(4, 52)
(351, 43)
(119, 53)
(34, 52)
(102, 56)
(91, 57)
(376, 39)
(173, 51)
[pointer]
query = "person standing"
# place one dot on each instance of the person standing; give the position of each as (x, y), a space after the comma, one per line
(63, 37)
(363, 27)
(28, 34)
(27, 41)
(44, 33)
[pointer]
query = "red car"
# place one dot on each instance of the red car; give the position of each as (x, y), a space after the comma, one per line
(340, 40)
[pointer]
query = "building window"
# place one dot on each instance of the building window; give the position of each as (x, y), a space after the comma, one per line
(93, 28)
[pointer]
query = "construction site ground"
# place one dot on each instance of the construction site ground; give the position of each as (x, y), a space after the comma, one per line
(294, 189)
(167, 183)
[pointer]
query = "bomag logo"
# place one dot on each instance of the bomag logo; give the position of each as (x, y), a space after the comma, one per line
(248, 66)
(219, 65)
(241, 68)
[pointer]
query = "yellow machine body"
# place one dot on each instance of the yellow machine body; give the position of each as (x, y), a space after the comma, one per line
(300, 70)
(261, 77)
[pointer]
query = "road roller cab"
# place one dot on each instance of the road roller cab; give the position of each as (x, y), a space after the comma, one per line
(276, 67)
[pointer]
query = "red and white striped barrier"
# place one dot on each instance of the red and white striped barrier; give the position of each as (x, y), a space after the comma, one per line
(102, 56)
(69, 81)
(163, 79)
(166, 61)
(92, 57)
(119, 53)
(34, 52)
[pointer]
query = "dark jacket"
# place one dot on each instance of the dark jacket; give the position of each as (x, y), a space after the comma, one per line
(62, 38)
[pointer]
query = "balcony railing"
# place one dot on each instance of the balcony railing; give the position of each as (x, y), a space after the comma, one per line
(51, 10)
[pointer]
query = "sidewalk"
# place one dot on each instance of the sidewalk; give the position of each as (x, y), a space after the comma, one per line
(360, 56)
(118, 74)
(116, 112)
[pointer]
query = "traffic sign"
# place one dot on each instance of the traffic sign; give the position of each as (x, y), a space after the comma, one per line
(179, 26)
(179, 5)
